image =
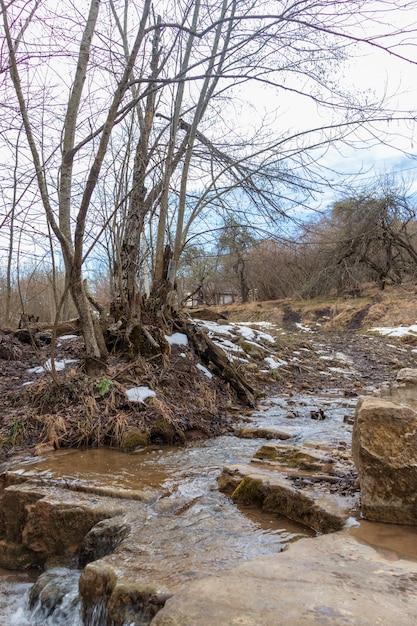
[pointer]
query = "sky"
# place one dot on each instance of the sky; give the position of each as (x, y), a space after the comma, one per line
(381, 75)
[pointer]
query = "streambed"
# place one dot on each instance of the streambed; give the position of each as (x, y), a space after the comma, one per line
(188, 528)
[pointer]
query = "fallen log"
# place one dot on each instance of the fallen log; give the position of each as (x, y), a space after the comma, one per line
(216, 360)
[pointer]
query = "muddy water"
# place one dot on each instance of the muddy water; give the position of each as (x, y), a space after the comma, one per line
(188, 528)
(198, 530)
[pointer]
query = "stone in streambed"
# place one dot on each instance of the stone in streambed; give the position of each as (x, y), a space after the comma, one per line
(332, 579)
(384, 448)
(248, 432)
(272, 492)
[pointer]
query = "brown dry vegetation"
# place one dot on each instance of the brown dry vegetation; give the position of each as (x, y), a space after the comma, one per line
(391, 307)
(75, 410)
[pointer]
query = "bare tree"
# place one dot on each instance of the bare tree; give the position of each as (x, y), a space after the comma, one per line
(167, 83)
(72, 245)
(377, 231)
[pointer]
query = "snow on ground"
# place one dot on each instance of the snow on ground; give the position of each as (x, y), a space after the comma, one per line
(47, 366)
(205, 371)
(178, 339)
(274, 364)
(139, 394)
(398, 331)
(242, 328)
(303, 328)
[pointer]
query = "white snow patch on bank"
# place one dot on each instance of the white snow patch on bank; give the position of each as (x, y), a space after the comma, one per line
(398, 331)
(213, 327)
(244, 328)
(47, 366)
(139, 394)
(205, 371)
(275, 364)
(305, 329)
(177, 339)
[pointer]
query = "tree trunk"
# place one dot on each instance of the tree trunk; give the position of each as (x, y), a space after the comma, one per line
(95, 348)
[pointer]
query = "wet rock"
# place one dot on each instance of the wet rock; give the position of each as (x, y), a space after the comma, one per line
(274, 493)
(116, 600)
(133, 439)
(102, 539)
(384, 448)
(248, 432)
(332, 579)
(407, 376)
(294, 457)
(39, 522)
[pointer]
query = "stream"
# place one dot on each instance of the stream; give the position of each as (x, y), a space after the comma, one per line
(188, 529)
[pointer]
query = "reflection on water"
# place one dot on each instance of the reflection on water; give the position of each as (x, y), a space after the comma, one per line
(394, 541)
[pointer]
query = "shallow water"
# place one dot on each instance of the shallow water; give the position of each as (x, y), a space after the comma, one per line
(187, 527)
(198, 530)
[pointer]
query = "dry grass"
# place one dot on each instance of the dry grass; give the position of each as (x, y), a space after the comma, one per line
(394, 306)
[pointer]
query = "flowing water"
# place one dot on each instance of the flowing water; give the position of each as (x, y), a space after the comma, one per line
(188, 528)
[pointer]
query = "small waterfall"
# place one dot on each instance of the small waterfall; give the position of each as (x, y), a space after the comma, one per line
(52, 601)
(97, 614)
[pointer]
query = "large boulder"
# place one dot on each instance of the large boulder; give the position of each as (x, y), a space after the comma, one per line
(384, 448)
(407, 376)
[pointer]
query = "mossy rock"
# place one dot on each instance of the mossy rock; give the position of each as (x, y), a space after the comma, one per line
(292, 457)
(134, 439)
(255, 352)
(165, 432)
(249, 491)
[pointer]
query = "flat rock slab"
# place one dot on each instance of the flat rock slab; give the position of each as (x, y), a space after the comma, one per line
(331, 580)
(249, 432)
(271, 491)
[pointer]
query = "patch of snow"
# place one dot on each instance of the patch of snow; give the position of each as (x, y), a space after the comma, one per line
(229, 345)
(305, 329)
(220, 329)
(47, 366)
(139, 394)
(68, 336)
(250, 333)
(205, 371)
(398, 331)
(265, 324)
(177, 339)
(273, 364)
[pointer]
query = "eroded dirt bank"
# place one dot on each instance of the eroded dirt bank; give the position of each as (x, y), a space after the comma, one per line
(293, 347)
